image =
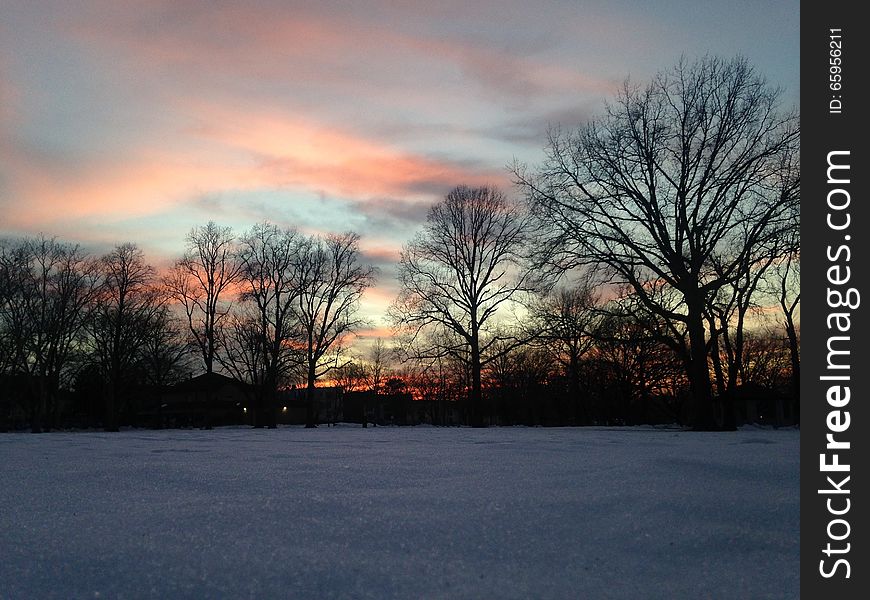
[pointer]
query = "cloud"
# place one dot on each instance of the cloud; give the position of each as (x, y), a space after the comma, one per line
(142, 119)
(197, 98)
(319, 55)
(238, 151)
(383, 181)
(532, 129)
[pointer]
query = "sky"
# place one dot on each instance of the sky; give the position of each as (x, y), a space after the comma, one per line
(136, 121)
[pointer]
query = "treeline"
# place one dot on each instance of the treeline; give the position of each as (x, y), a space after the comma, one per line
(649, 272)
(682, 199)
(268, 307)
(586, 359)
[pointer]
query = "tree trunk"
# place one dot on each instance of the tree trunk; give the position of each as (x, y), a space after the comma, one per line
(476, 395)
(721, 386)
(794, 353)
(735, 368)
(310, 417)
(703, 417)
(271, 407)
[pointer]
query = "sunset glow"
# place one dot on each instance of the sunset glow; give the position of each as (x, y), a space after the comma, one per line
(137, 121)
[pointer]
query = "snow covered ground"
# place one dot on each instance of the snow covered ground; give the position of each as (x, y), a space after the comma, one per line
(348, 512)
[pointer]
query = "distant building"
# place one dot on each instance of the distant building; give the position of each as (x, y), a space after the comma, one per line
(292, 405)
(206, 400)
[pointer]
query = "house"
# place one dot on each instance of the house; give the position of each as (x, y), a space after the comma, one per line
(292, 405)
(203, 401)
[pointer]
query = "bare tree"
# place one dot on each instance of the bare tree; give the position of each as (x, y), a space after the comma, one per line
(517, 380)
(14, 327)
(442, 380)
(333, 280)
(565, 320)
(377, 370)
(352, 376)
(678, 183)
(271, 269)
(243, 353)
(785, 281)
(165, 357)
(126, 304)
(200, 281)
(766, 360)
(637, 350)
(726, 312)
(49, 288)
(455, 275)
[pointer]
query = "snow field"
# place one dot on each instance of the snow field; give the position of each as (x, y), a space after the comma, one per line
(422, 512)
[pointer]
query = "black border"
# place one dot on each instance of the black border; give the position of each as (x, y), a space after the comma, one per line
(823, 132)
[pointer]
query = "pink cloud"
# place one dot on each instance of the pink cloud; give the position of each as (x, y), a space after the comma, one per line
(247, 88)
(312, 48)
(240, 151)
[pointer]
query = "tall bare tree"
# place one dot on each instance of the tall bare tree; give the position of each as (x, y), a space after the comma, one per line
(455, 275)
(126, 305)
(333, 279)
(785, 283)
(50, 286)
(729, 307)
(271, 272)
(200, 281)
(727, 312)
(677, 183)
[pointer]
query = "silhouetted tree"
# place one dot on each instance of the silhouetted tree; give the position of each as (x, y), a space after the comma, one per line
(784, 281)
(376, 372)
(200, 282)
(439, 380)
(243, 356)
(377, 369)
(517, 380)
(639, 361)
(15, 326)
(333, 279)
(271, 271)
(455, 275)
(766, 359)
(565, 320)
(679, 182)
(352, 376)
(127, 303)
(165, 356)
(727, 312)
(49, 286)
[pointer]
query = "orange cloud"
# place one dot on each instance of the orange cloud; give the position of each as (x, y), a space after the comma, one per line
(371, 333)
(138, 186)
(242, 151)
(247, 89)
(292, 151)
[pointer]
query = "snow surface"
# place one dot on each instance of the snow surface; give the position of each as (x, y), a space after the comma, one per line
(422, 512)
